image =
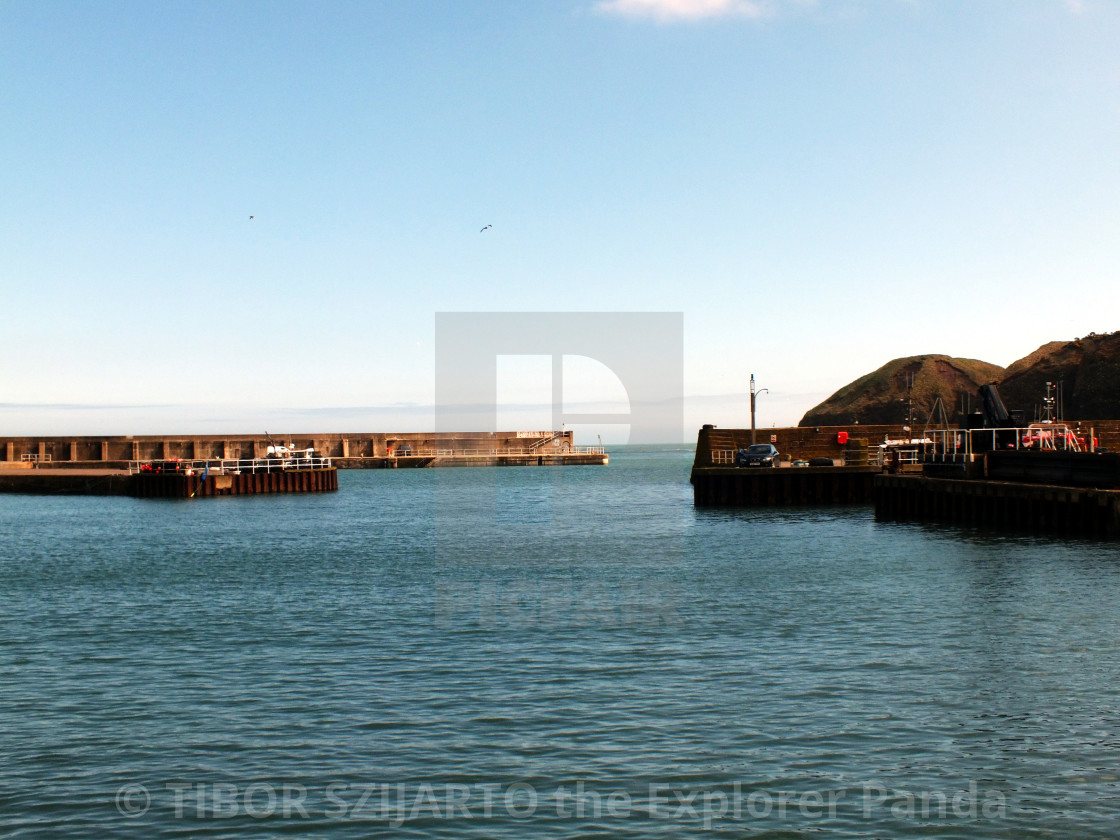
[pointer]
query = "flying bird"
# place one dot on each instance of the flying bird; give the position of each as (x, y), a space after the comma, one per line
(486, 228)
(251, 217)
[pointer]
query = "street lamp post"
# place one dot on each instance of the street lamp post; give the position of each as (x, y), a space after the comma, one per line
(754, 394)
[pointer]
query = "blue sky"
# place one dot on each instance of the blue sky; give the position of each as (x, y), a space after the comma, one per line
(819, 187)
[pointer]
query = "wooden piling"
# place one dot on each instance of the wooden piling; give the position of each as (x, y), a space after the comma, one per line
(1037, 508)
(183, 486)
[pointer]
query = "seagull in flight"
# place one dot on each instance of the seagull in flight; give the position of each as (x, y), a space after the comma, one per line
(486, 228)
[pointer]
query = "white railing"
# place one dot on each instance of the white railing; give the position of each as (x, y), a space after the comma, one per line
(227, 466)
(33, 458)
(547, 440)
(907, 456)
(415, 452)
(725, 456)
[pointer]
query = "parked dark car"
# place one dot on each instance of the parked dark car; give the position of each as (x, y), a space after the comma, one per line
(758, 455)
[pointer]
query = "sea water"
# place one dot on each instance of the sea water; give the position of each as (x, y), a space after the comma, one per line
(547, 652)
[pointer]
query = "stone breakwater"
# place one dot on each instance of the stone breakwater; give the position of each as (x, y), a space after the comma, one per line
(349, 450)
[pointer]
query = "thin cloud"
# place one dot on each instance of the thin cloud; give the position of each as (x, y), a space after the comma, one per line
(82, 406)
(674, 10)
(668, 11)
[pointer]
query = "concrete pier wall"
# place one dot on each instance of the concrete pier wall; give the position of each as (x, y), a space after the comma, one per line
(353, 447)
(795, 443)
(807, 442)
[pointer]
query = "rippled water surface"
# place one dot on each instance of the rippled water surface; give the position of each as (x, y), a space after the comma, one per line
(571, 652)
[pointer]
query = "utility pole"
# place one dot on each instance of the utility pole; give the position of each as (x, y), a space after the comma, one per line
(1048, 404)
(909, 403)
(754, 394)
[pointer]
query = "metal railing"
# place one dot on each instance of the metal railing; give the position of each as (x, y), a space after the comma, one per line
(547, 440)
(35, 458)
(872, 456)
(908, 456)
(227, 466)
(723, 456)
(962, 445)
(416, 452)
